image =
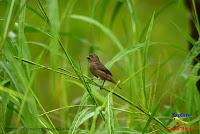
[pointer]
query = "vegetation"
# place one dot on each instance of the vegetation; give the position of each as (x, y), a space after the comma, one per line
(45, 85)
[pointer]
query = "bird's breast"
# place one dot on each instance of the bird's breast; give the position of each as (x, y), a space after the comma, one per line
(93, 68)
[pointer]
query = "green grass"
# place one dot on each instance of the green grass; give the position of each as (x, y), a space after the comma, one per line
(45, 84)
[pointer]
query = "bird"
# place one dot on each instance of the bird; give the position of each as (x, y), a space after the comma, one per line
(99, 70)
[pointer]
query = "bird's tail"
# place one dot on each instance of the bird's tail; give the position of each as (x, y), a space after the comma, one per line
(116, 83)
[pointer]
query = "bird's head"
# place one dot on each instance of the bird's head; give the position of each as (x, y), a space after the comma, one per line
(93, 58)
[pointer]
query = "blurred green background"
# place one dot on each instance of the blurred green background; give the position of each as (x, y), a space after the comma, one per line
(105, 23)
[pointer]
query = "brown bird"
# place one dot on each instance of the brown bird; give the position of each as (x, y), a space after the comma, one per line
(99, 70)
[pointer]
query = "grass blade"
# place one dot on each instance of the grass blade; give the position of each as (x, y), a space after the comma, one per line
(99, 25)
(109, 115)
(7, 23)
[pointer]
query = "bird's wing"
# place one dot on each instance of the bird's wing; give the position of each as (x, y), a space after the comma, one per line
(103, 68)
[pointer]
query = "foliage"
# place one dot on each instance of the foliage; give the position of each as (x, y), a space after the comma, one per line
(45, 85)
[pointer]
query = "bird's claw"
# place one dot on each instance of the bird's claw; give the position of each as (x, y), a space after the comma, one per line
(101, 87)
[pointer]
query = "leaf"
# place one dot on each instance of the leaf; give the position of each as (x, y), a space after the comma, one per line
(116, 10)
(124, 53)
(102, 27)
(109, 115)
